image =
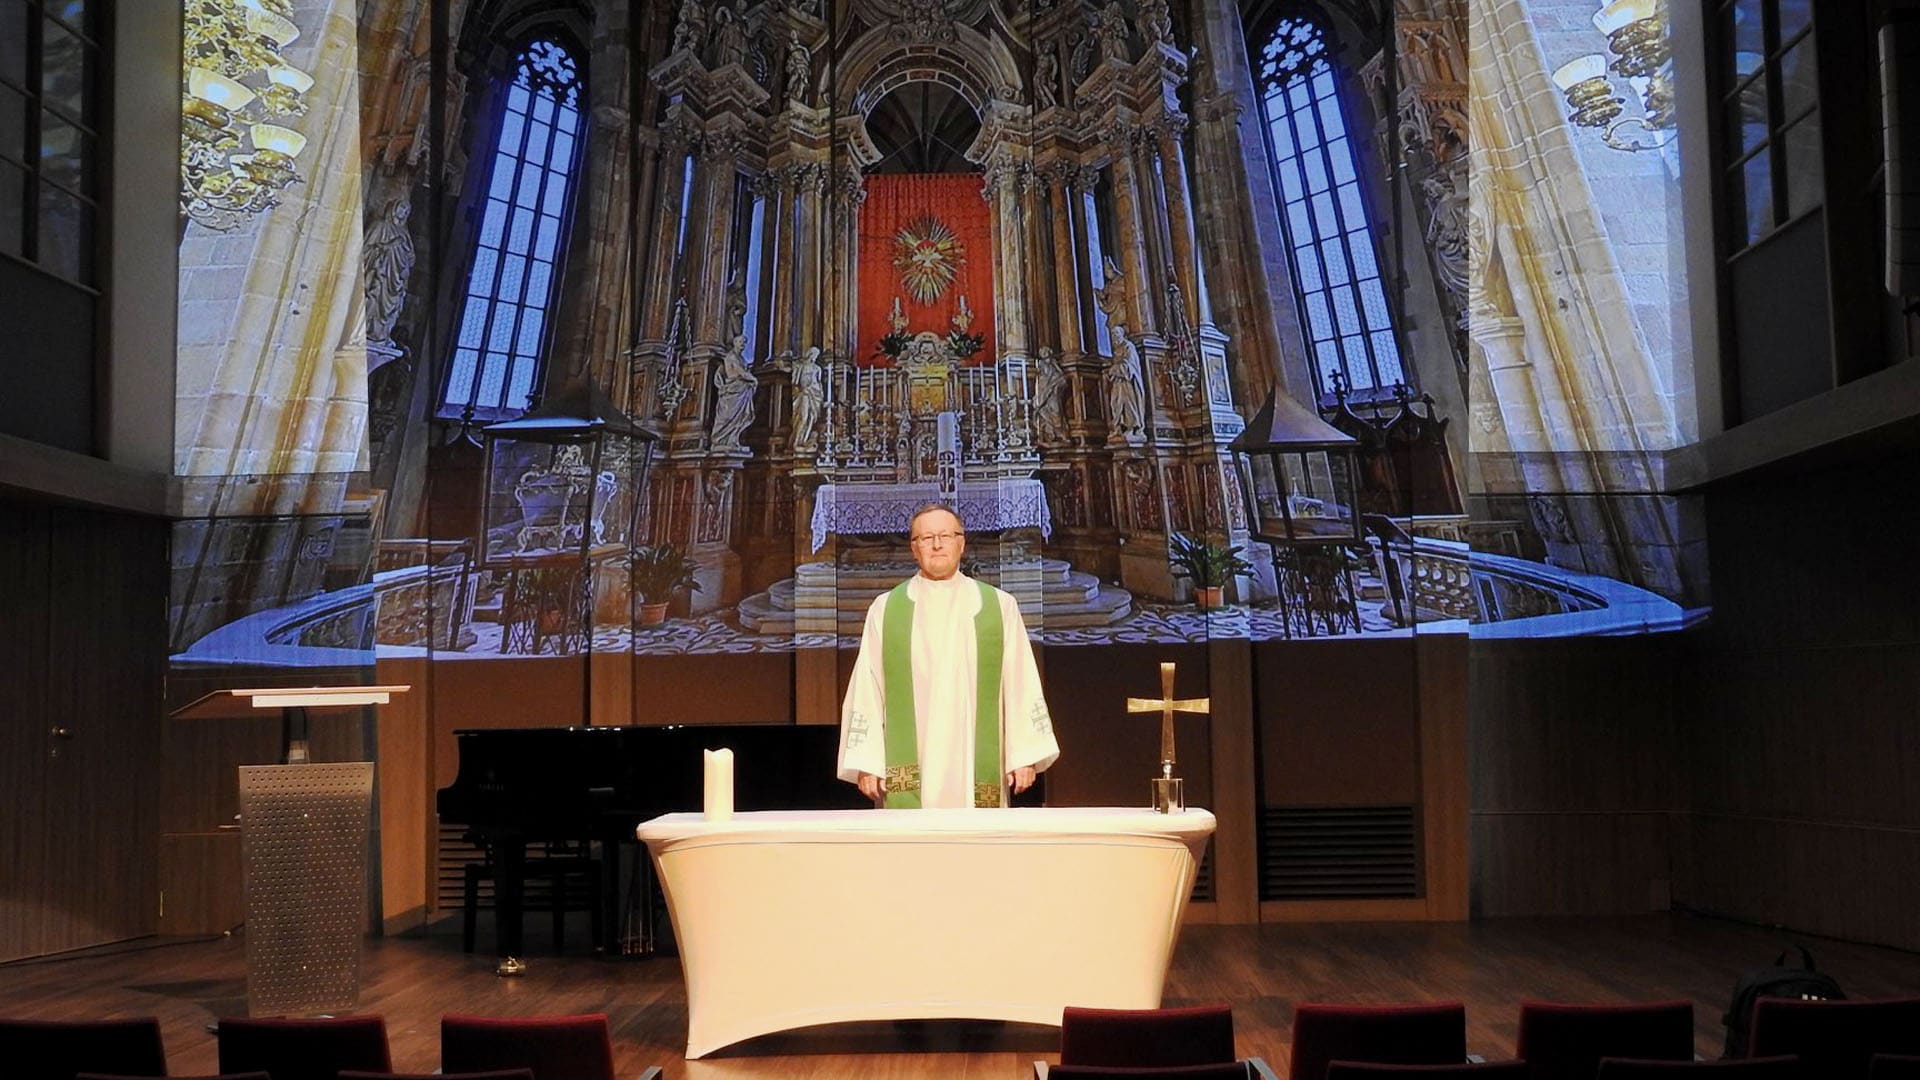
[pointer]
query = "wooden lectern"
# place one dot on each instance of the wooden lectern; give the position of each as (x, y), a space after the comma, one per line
(303, 836)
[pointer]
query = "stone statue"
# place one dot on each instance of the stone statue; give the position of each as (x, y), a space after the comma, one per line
(730, 37)
(897, 318)
(808, 398)
(736, 306)
(809, 8)
(1112, 297)
(1046, 80)
(1113, 33)
(1049, 413)
(799, 69)
(1126, 396)
(388, 260)
(691, 32)
(1156, 22)
(733, 384)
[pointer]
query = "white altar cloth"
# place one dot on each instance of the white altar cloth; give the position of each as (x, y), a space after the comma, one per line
(986, 505)
(792, 918)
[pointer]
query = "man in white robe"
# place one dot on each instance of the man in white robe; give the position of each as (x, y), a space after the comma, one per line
(931, 631)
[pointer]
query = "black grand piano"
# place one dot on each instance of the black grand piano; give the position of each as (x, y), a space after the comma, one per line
(521, 786)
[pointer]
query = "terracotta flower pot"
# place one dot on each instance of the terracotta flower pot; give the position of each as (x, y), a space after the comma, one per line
(1209, 598)
(653, 614)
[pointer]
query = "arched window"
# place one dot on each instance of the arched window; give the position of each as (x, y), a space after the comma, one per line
(1330, 242)
(507, 310)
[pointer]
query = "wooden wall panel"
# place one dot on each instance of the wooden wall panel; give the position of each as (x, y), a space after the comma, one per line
(1441, 676)
(404, 786)
(108, 577)
(1575, 793)
(24, 602)
(1803, 765)
(84, 620)
(1338, 722)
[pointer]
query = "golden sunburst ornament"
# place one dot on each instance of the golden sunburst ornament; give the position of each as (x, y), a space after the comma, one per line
(929, 257)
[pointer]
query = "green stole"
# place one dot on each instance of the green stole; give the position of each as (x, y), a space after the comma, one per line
(903, 753)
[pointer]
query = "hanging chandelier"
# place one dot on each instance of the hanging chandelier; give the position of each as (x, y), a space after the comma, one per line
(238, 96)
(1636, 32)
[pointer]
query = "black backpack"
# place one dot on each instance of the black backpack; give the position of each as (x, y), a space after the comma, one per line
(1778, 981)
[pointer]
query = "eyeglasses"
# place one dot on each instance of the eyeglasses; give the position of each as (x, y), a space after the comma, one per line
(937, 539)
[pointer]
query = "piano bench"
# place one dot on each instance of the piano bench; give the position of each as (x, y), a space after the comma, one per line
(556, 867)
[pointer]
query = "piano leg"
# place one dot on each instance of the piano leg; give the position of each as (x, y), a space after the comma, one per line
(510, 895)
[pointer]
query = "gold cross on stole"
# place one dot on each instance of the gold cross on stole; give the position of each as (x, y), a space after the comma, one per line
(1167, 794)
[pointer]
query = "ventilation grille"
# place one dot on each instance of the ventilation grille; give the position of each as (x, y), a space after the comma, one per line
(1203, 878)
(1338, 853)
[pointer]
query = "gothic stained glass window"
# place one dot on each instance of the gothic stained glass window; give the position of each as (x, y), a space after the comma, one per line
(1330, 244)
(515, 275)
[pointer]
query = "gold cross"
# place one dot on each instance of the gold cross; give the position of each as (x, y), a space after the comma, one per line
(1166, 705)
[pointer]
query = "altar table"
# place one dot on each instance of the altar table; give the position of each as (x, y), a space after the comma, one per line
(887, 509)
(792, 918)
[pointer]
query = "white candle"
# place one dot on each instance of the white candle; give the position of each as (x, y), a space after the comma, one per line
(719, 775)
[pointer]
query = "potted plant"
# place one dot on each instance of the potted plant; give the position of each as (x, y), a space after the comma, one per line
(1209, 566)
(658, 571)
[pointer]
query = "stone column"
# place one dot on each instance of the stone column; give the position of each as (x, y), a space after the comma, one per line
(849, 192)
(1004, 194)
(781, 312)
(594, 287)
(669, 206)
(1065, 269)
(1173, 178)
(709, 234)
(809, 268)
(1132, 197)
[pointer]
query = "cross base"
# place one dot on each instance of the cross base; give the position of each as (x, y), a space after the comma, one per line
(1169, 794)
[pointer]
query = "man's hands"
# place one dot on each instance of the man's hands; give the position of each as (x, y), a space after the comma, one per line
(1021, 778)
(875, 788)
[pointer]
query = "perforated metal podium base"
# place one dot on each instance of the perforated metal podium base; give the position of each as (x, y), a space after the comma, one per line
(304, 847)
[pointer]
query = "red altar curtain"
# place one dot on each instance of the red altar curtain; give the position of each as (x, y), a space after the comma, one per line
(928, 240)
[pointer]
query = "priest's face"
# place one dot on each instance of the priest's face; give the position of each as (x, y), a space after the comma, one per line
(937, 543)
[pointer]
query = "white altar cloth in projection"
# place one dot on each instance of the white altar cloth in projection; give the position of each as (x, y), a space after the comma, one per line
(876, 509)
(792, 918)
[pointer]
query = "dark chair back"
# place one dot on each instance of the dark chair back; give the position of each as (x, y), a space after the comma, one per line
(59, 1049)
(554, 1047)
(1774, 1068)
(291, 1049)
(1223, 1070)
(1427, 1034)
(498, 1074)
(1140, 1038)
(1835, 1040)
(1893, 1067)
(221, 1076)
(1566, 1042)
(1478, 1070)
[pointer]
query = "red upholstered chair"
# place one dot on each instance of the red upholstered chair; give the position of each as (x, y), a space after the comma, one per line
(221, 1076)
(554, 1047)
(498, 1074)
(1773, 1068)
(1835, 1040)
(303, 1049)
(1434, 1034)
(56, 1050)
(1476, 1070)
(1893, 1067)
(1566, 1042)
(1224, 1070)
(1140, 1038)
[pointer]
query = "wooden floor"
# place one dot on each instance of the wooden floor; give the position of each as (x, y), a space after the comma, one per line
(1262, 971)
